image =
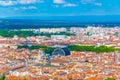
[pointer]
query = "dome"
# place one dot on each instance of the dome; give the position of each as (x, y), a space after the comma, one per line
(61, 52)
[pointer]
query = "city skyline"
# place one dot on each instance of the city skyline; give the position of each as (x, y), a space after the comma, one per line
(59, 40)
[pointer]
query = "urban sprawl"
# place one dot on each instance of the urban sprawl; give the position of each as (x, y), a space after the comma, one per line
(77, 53)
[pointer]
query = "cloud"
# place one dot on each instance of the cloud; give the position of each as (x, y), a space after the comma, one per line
(26, 1)
(26, 7)
(58, 1)
(63, 3)
(30, 7)
(87, 1)
(94, 2)
(70, 5)
(98, 4)
(7, 2)
(15, 2)
(29, 1)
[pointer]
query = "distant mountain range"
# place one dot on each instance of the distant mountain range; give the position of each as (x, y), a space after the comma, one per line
(103, 18)
(28, 22)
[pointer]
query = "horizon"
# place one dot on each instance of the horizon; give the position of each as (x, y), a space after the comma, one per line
(83, 19)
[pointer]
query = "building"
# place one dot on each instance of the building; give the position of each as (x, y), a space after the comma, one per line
(58, 37)
(52, 30)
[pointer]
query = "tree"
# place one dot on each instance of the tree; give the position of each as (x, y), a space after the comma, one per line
(23, 78)
(100, 49)
(3, 77)
(48, 50)
(110, 79)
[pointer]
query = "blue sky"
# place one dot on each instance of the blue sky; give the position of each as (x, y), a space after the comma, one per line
(10, 8)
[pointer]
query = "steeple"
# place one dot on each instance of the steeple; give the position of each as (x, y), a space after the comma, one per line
(86, 60)
(115, 57)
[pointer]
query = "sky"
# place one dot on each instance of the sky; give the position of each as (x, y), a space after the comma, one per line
(21, 8)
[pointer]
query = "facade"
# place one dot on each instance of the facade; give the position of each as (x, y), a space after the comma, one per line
(58, 37)
(52, 30)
